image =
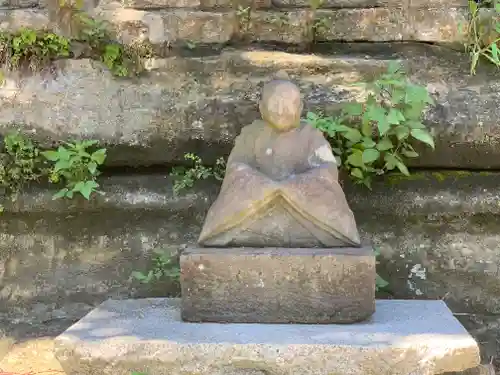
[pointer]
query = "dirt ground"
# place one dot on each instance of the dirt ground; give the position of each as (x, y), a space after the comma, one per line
(31, 357)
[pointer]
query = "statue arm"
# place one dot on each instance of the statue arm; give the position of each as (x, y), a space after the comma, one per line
(321, 159)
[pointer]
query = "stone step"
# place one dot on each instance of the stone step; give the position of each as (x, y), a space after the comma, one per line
(402, 337)
(254, 4)
(177, 27)
(200, 104)
(437, 233)
(370, 3)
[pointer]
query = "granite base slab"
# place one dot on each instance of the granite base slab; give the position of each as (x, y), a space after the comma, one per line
(278, 285)
(148, 336)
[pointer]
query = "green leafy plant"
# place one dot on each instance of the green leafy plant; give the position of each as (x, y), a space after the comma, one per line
(243, 15)
(185, 177)
(376, 136)
(33, 48)
(164, 267)
(380, 283)
(76, 167)
(20, 163)
(314, 24)
(121, 60)
(483, 34)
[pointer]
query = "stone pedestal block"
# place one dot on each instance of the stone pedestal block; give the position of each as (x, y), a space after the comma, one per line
(278, 285)
(148, 336)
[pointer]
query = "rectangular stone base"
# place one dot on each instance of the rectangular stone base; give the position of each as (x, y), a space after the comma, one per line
(148, 336)
(278, 285)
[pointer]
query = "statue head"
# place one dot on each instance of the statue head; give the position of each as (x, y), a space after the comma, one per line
(281, 104)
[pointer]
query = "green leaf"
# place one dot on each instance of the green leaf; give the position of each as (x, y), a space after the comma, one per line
(92, 167)
(402, 132)
(385, 144)
(312, 117)
(376, 113)
(366, 128)
(88, 143)
(353, 109)
(390, 161)
(393, 67)
(358, 173)
(51, 155)
(356, 159)
(415, 125)
(62, 164)
(417, 94)
(370, 155)
(494, 52)
(402, 168)
(60, 194)
(383, 126)
(353, 135)
(413, 112)
(409, 153)
(368, 143)
(99, 156)
(367, 181)
(423, 136)
(397, 95)
(380, 282)
(86, 188)
(64, 154)
(472, 6)
(395, 117)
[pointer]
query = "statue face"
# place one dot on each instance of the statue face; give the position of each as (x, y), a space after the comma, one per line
(281, 105)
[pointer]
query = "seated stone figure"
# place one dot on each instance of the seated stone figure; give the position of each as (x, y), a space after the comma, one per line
(281, 185)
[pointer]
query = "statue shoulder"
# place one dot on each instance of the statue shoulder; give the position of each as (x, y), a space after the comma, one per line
(254, 127)
(244, 144)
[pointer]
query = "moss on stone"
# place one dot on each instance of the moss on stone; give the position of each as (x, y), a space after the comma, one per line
(398, 178)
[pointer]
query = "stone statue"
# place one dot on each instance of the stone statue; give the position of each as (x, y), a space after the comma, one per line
(281, 185)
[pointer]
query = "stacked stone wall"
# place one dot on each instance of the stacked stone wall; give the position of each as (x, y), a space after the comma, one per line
(211, 57)
(168, 23)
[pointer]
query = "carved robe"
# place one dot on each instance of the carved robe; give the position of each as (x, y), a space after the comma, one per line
(280, 189)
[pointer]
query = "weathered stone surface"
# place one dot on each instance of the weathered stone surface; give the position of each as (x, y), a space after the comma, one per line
(56, 266)
(375, 24)
(278, 285)
(439, 25)
(19, 3)
(56, 261)
(15, 19)
(149, 4)
(147, 335)
(202, 4)
(392, 24)
(286, 27)
(281, 186)
(486, 331)
(371, 3)
(200, 104)
(166, 28)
